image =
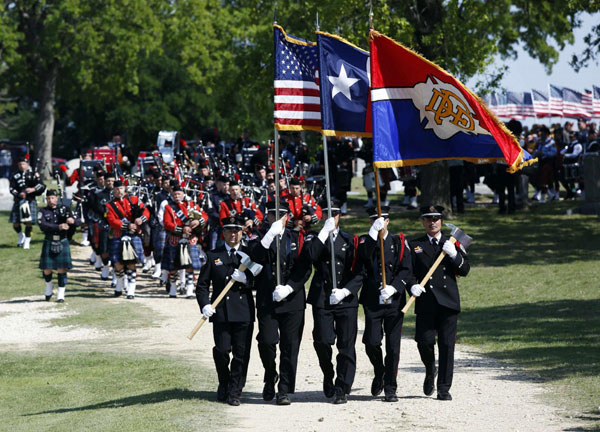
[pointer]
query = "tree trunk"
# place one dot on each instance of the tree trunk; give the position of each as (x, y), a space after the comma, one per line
(45, 122)
(435, 185)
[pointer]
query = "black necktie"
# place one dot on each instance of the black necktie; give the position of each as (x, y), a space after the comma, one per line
(233, 256)
(434, 243)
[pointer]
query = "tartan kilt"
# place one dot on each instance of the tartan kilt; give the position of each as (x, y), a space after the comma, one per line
(159, 236)
(15, 214)
(170, 257)
(114, 249)
(50, 261)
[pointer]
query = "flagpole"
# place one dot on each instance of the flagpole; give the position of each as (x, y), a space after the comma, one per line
(276, 198)
(328, 194)
(382, 254)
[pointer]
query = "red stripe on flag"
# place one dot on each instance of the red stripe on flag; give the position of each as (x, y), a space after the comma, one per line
(296, 92)
(297, 107)
(303, 122)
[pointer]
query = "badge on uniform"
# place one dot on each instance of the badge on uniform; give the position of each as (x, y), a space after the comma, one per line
(218, 262)
(418, 249)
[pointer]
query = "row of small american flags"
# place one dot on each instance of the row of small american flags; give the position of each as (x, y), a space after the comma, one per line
(415, 111)
(553, 102)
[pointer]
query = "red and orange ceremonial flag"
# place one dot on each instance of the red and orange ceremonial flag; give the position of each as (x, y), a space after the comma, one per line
(421, 114)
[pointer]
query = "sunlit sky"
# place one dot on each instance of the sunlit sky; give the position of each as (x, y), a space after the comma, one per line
(525, 73)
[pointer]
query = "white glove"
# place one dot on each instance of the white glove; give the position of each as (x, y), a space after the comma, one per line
(281, 292)
(417, 290)
(450, 249)
(239, 276)
(328, 227)
(337, 295)
(387, 292)
(275, 230)
(376, 227)
(208, 311)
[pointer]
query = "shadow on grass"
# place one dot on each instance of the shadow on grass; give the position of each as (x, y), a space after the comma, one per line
(590, 416)
(539, 336)
(143, 399)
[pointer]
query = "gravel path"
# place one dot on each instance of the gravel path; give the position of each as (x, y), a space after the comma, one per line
(487, 396)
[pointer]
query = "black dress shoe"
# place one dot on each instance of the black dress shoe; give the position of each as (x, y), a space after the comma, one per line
(48, 298)
(268, 392)
(222, 393)
(340, 397)
(118, 293)
(377, 386)
(283, 399)
(233, 400)
(428, 384)
(60, 301)
(445, 396)
(129, 297)
(328, 388)
(391, 397)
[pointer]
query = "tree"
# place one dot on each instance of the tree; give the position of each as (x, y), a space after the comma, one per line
(71, 47)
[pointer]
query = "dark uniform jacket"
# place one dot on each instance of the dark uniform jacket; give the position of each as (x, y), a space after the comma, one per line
(442, 287)
(50, 218)
(290, 248)
(238, 304)
(398, 272)
(318, 254)
(19, 181)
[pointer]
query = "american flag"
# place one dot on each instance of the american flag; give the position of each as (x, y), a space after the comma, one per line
(573, 104)
(587, 99)
(297, 96)
(556, 100)
(540, 103)
(528, 110)
(596, 100)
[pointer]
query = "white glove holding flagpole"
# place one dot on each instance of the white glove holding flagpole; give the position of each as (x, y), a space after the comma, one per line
(275, 230)
(208, 311)
(337, 295)
(328, 227)
(377, 226)
(417, 290)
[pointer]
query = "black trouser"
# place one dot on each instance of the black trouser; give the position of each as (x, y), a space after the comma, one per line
(236, 338)
(457, 186)
(384, 320)
(340, 323)
(441, 322)
(506, 189)
(289, 326)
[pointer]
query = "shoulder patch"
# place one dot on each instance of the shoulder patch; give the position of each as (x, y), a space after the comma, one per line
(418, 249)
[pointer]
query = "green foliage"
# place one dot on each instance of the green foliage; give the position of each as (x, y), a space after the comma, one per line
(139, 66)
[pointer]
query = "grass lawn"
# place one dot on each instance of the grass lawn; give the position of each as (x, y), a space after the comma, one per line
(102, 392)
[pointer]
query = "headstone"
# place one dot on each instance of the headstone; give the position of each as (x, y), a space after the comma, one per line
(591, 178)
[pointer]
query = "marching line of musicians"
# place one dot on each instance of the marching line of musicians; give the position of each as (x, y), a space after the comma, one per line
(191, 241)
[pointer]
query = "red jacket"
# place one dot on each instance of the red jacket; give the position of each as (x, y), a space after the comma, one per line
(296, 204)
(241, 206)
(174, 224)
(124, 206)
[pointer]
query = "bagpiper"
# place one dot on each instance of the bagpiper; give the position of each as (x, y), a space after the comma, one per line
(55, 221)
(25, 186)
(125, 216)
(183, 222)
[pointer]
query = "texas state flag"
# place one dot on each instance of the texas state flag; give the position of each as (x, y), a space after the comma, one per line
(344, 83)
(421, 113)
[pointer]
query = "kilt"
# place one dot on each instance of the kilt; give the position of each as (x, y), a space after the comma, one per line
(114, 249)
(159, 236)
(50, 261)
(170, 257)
(98, 237)
(15, 214)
